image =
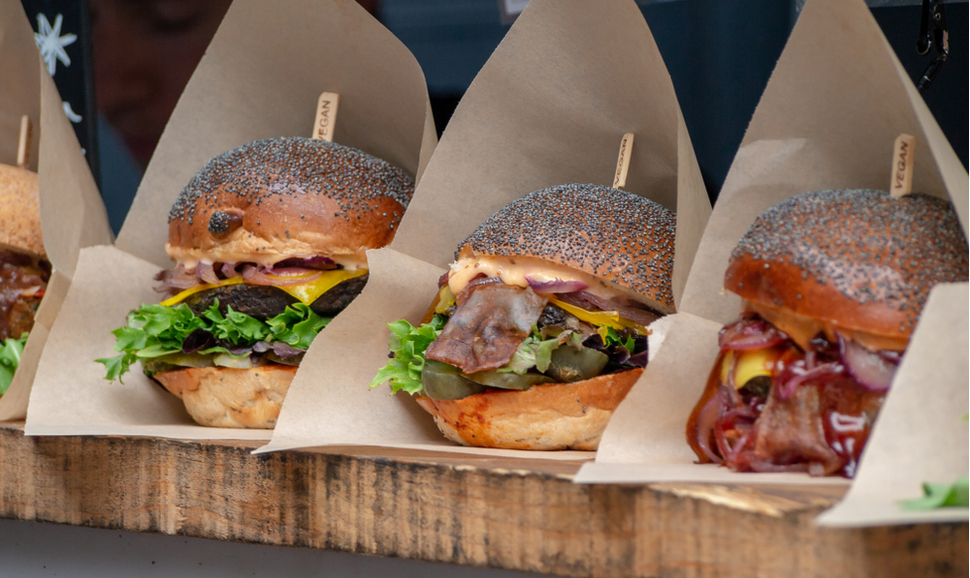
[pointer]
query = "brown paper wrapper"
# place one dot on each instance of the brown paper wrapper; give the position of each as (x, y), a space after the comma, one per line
(72, 213)
(243, 90)
(549, 107)
(825, 121)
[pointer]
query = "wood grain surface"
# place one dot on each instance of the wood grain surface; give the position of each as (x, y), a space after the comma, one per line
(496, 513)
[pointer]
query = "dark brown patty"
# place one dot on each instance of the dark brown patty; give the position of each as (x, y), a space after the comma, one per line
(264, 301)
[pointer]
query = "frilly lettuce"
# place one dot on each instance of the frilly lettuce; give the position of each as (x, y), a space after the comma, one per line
(157, 330)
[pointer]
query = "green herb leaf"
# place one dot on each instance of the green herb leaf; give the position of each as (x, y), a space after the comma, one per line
(941, 496)
(407, 344)
(537, 352)
(10, 355)
(157, 330)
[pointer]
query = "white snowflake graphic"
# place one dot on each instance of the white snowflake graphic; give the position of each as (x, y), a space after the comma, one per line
(71, 115)
(51, 43)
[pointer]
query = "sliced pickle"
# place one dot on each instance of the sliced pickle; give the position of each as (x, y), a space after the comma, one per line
(446, 382)
(508, 380)
(175, 361)
(570, 363)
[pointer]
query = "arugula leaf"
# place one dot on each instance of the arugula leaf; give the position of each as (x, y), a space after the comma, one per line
(158, 330)
(10, 355)
(941, 496)
(407, 344)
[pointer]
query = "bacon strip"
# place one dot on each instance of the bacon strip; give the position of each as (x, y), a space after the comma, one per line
(489, 323)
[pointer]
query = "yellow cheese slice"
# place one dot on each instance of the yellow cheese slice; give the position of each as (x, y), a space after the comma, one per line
(603, 318)
(307, 293)
(751, 364)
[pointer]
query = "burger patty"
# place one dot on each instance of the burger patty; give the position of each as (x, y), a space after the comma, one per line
(265, 301)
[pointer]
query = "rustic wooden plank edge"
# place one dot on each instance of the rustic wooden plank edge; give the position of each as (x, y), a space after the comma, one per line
(440, 510)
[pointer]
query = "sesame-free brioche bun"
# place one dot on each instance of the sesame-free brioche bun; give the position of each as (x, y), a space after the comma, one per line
(618, 236)
(236, 398)
(20, 212)
(555, 416)
(857, 261)
(274, 199)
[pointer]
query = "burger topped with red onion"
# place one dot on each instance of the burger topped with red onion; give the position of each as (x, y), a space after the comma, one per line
(832, 284)
(540, 327)
(269, 241)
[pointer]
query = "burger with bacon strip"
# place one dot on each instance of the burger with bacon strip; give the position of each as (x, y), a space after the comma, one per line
(269, 241)
(832, 284)
(540, 328)
(24, 268)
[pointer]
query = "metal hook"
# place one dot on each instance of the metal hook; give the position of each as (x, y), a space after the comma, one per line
(932, 32)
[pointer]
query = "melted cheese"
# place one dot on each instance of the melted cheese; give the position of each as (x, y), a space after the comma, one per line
(307, 293)
(750, 364)
(803, 329)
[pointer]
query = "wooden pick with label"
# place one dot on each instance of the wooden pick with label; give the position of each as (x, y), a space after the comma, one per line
(326, 118)
(623, 161)
(902, 177)
(23, 148)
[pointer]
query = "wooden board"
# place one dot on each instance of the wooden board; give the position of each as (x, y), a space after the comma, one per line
(497, 513)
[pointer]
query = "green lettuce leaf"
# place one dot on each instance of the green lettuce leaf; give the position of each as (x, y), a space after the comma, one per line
(10, 355)
(157, 330)
(941, 496)
(537, 352)
(407, 344)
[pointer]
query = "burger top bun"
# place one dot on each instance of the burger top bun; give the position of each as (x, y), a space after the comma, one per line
(857, 260)
(608, 233)
(273, 199)
(20, 212)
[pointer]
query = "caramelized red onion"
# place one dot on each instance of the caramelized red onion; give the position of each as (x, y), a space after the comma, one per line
(801, 376)
(872, 370)
(278, 277)
(705, 425)
(206, 273)
(750, 333)
(555, 286)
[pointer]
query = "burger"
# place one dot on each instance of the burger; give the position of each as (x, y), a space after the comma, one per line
(24, 268)
(539, 329)
(832, 284)
(269, 243)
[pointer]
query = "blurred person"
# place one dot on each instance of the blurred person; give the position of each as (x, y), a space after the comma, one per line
(144, 54)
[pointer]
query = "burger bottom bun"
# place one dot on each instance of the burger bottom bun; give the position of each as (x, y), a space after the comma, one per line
(237, 398)
(559, 416)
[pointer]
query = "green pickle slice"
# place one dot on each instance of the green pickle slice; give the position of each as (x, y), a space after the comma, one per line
(446, 382)
(568, 363)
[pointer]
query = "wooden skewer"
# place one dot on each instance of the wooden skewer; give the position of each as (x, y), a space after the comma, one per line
(623, 162)
(23, 148)
(326, 119)
(902, 177)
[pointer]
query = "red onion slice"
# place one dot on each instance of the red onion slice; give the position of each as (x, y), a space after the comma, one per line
(873, 371)
(206, 273)
(787, 389)
(279, 277)
(175, 279)
(705, 424)
(750, 333)
(555, 286)
(228, 270)
(317, 262)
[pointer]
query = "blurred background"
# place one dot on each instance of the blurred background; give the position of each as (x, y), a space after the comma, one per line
(121, 65)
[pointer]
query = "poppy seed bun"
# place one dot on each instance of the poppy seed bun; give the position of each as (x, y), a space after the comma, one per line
(20, 212)
(237, 398)
(620, 237)
(274, 199)
(557, 416)
(855, 260)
